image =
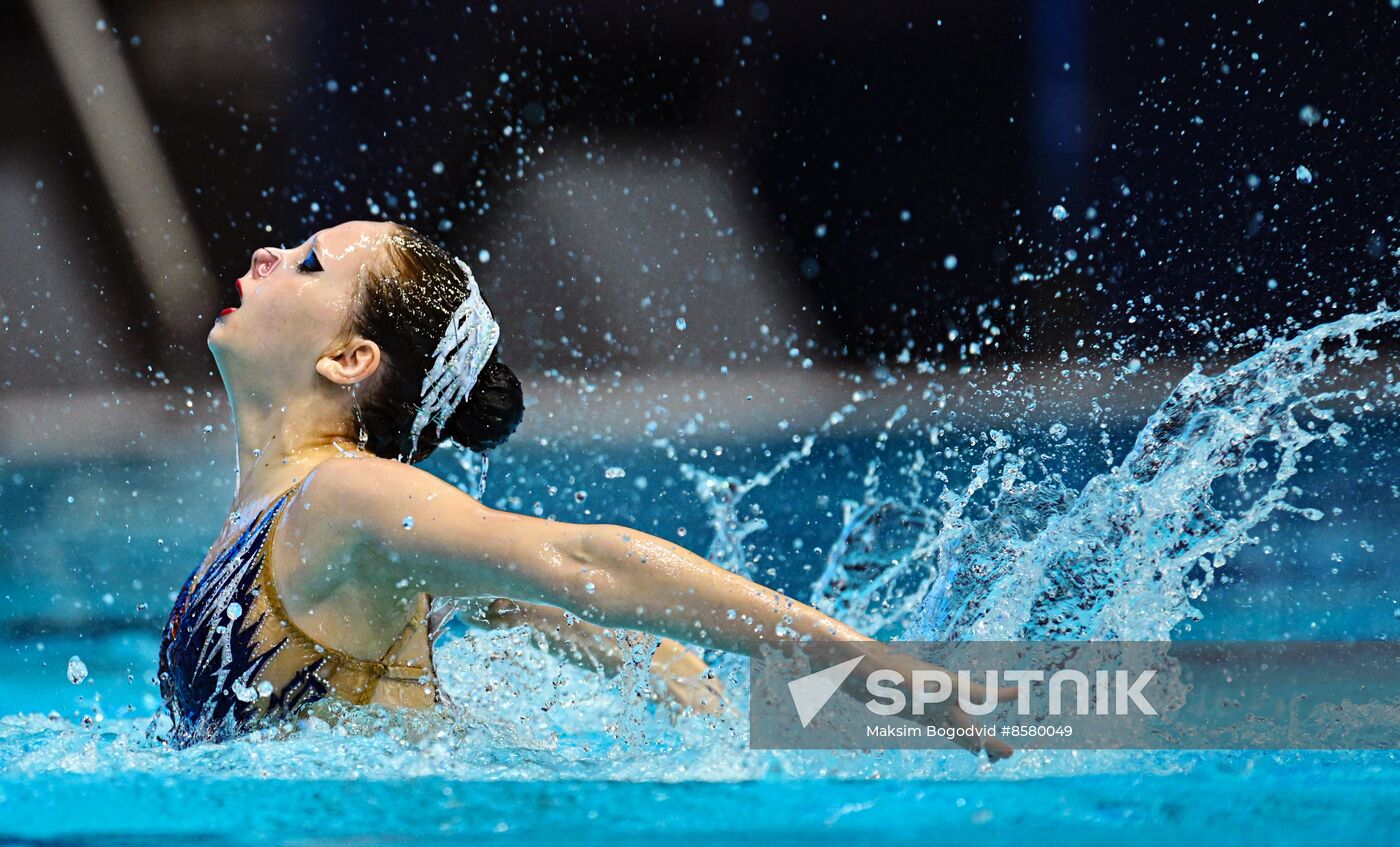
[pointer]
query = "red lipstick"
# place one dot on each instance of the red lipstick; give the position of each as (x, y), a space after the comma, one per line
(227, 311)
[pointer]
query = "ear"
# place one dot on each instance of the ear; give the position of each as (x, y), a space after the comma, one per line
(355, 362)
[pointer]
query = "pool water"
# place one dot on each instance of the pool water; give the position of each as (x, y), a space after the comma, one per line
(1256, 502)
(1275, 799)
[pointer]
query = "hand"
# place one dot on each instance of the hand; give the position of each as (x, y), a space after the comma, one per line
(946, 713)
(995, 748)
(687, 680)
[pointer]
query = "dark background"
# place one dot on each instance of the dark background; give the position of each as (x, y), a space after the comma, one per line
(1171, 133)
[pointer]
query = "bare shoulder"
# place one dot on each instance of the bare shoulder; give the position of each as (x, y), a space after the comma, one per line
(375, 495)
(402, 530)
(368, 479)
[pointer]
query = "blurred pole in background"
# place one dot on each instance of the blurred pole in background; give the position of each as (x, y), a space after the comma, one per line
(103, 96)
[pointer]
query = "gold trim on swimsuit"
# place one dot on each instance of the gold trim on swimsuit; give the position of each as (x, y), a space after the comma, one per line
(352, 678)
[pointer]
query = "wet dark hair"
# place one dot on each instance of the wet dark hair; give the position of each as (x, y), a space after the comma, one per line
(405, 298)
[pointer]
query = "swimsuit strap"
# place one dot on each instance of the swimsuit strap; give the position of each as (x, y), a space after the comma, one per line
(381, 667)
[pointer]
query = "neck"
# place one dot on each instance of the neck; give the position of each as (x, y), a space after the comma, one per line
(280, 439)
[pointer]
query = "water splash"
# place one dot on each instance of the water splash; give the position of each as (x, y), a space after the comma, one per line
(722, 497)
(1125, 557)
(1011, 556)
(882, 562)
(1013, 552)
(475, 465)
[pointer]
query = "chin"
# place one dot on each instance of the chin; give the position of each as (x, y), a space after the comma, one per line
(224, 339)
(216, 333)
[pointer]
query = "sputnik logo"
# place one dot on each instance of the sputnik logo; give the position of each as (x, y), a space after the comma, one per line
(810, 693)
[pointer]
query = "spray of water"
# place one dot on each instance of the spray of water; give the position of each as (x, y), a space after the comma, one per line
(1013, 553)
(1016, 555)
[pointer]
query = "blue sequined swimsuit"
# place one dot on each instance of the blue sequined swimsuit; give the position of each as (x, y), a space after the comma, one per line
(231, 659)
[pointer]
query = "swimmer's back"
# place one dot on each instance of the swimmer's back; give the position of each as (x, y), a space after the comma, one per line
(262, 633)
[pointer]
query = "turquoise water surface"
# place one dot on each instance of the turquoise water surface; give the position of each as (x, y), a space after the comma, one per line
(1258, 501)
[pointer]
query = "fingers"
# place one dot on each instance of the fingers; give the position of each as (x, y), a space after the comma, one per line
(974, 741)
(701, 696)
(710, 701)
(997, 749)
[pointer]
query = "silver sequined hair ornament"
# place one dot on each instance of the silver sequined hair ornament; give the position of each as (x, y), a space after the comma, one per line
(457, 362)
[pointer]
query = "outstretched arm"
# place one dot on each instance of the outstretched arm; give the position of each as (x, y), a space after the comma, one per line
(607, 574)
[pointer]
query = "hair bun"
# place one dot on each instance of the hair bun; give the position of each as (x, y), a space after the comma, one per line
(491, 412)
(404, 304)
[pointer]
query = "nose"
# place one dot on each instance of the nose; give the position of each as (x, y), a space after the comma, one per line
(264, 260)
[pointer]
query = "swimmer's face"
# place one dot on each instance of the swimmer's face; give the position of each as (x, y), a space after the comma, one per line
(294, 301)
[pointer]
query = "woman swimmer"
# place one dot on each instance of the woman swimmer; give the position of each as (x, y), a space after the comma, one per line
(349, 359)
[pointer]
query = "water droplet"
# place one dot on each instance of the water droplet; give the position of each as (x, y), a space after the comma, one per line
(615, 473)
(1305, 176)
(408, 522)
(234, 611)
(264, 689)
(680, 323)
(1059, 213)
(1309, 115)
(244, 693)
(590, 587)
(77, 671)
(950, 262)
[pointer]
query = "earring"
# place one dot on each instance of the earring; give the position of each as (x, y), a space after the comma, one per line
(359, 419)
